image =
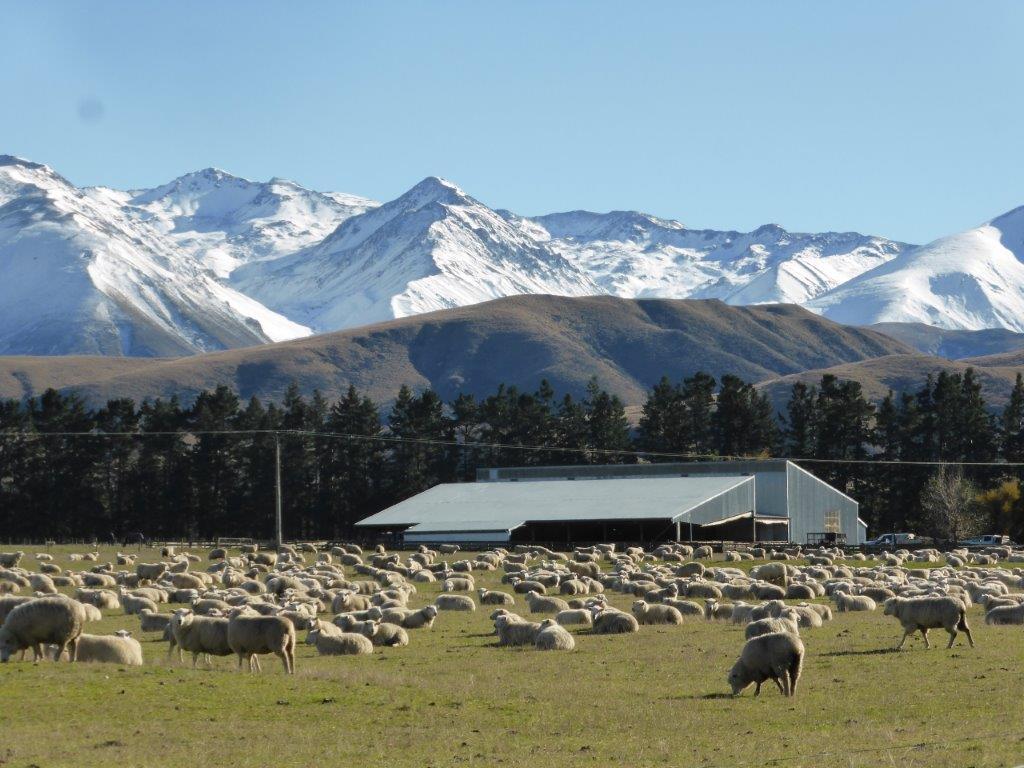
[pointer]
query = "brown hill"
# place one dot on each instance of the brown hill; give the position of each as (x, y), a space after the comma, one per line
(628, 344)
(900, 373)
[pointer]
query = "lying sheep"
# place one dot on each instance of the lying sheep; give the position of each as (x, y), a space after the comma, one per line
(455, 603)
(421, 619)
(103, 599)
(384, 634)
(777, 656)
(551, 637)
(924, 613)
(847, 602)
(48, 620)
(512, 630)
(251, 635)
(119, 648)
(1005, 614)
(613, 622)
(544, 604)
(575, 617)
(10, 559)
(488, 597)
(340, 644)
(686, 607)
(133, 604)
(458, 584)
(647, 613)
(151, 621)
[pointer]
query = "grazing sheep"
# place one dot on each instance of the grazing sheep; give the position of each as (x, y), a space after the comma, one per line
(512, 630)
(487, 597)
(767, 626)
(455, 603)
(1005, 614)
(552, 637)
(151, 621)
(340, 644)
(251, 635)
(207, 635)
(613, 622)
(544, 604)
(119, 648)
(575, 617)
(846, 602)
(777, 656)
(924, 613)
(54, 620)
(648, 613)
(384, 634)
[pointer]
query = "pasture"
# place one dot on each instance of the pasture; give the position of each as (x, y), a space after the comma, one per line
(452, 697)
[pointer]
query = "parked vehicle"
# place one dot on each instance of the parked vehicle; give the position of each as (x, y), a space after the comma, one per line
(988, 540)
(893, 540)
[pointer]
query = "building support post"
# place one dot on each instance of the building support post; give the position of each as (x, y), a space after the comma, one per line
(679, 531)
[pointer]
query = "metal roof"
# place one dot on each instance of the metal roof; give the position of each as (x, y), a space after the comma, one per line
(507, 505)
(447, 526)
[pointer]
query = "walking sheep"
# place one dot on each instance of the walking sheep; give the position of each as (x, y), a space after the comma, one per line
(251, 635)
(777, 656)
(552, 637)
(924, 613)
(48, 620)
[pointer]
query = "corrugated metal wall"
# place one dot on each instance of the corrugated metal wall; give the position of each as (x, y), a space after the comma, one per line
(735, 501)
(809, 501)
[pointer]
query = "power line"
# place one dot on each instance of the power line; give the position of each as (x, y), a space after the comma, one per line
(711, 457)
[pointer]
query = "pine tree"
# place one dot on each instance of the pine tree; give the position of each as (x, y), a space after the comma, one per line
(799, 435)
(1012, 423)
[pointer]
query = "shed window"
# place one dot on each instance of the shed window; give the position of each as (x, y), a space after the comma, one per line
(832, 521)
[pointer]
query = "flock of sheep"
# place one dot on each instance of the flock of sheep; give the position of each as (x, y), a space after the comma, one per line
(253, 603)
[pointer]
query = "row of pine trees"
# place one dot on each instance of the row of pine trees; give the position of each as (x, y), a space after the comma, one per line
(207, 470)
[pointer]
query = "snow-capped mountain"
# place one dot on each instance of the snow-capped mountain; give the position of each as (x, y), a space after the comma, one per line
(78, 273)
(432, 248)
(969, 281)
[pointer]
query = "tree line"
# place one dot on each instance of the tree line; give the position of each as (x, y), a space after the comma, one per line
(171, 471)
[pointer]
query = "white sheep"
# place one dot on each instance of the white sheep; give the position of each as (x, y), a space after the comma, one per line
(847, 602)
(610, 621)
(340, 644)
(54, 620)
(551, 637)
(455, 603)
(10, 559)
(151, 621)
(544, 604)
(648, 613)
(384, 634)
(575, 617)
(489, 597)
(769, 625)
(421, 619)
(924, 613)
(251, 635)
(513, 630)
(207, 635)
(119, 648)
(777, 656)
(1005, 614)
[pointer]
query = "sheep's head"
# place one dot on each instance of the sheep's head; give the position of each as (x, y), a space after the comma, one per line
(889, 607)
(8, 645)
(738, 678)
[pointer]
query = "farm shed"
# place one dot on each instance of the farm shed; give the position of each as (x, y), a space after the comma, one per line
(809, 507)
(595, 508)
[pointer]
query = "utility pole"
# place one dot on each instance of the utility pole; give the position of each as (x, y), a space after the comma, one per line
(277, 490)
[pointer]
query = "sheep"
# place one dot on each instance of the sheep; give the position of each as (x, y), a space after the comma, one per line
(1005, 614)
(207, 635)
(10, 559)
(132, 604)
(647, 613)
(150, 571)
(458, 585)
(777, 656)
(846, 602)
(924, 613)
(575, 616)
(488, 597)
(800, 592)
(824, 611)
(544, 604)
(381, 633)
(455, 603)
(9, 602)
(423, 618)
(340, 644)
(151, 621)
(551, 637)
(250, 635)
(57, 620)
(613, 622)
(512, 630)
(767, 626)
(118, 648)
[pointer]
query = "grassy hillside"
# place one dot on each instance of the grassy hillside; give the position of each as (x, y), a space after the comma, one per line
(628, 344)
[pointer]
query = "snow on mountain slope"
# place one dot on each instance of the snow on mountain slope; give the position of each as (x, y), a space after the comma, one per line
(432, 248)
(77, 274)
(225, 221)
(971, 280)
(635, 255)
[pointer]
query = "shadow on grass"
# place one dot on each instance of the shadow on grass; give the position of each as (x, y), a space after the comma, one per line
(872, 652)
(699, 697)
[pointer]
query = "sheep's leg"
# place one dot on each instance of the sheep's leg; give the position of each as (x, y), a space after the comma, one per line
(37, 652)
(906, 634)
(73, 650)
(924, 634)
(240, 656)
(195, 658)
(757, 688)
(952, 637)
(283, 656)
(967, 631)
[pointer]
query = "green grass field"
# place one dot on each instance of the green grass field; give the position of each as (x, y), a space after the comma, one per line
(453, 698)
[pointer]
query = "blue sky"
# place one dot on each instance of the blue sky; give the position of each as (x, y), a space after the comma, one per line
(895, 118)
